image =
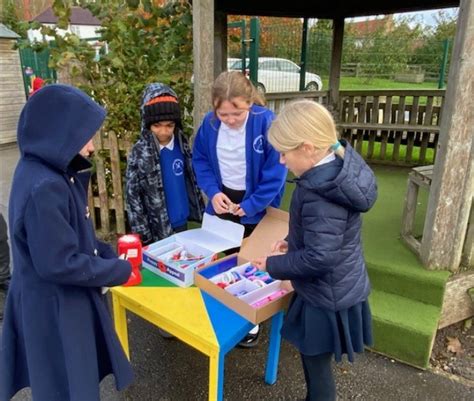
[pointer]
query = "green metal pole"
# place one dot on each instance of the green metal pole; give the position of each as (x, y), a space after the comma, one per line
(444, 63)
(244, 47)
(254, 45)
(243, 51)
(304, 53)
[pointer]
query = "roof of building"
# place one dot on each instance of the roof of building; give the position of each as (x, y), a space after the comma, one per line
(79, 16)
(6, 33)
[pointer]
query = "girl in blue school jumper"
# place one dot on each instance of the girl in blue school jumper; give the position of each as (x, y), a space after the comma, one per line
(235, 165)
(322, 255)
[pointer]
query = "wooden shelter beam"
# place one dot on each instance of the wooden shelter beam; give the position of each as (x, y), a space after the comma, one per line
(220, 43)
(203, 51)
(453, 179)
(336, 61)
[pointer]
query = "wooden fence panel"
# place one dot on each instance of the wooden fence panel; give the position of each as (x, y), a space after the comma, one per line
(102, 200)
(411, 134)
(393, 119)
(117, 194)
(385, 133)
(374, 119)
(362, 115)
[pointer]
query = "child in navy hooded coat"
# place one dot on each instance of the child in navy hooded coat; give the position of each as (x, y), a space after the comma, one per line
(58, 337)
(322, 255)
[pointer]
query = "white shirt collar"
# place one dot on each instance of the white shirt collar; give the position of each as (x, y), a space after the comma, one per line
(327, 159)
(169, 146)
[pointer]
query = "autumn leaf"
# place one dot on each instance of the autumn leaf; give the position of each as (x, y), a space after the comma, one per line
(454, 345)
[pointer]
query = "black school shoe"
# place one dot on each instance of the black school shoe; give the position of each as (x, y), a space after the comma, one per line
(251, 339)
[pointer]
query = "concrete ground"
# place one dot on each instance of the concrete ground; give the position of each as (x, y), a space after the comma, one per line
(168, 370)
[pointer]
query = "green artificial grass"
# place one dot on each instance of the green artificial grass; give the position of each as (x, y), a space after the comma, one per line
(403, 329)
(415, 156)
(406, 299)
(363, 83)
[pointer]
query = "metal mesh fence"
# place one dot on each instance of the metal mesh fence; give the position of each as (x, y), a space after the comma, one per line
(380, 59)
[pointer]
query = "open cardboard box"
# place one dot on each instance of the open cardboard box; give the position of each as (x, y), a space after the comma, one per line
(273, 227)
(214, 236)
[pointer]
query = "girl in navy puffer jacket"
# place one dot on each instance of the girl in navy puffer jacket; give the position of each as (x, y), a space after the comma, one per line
(322, 255)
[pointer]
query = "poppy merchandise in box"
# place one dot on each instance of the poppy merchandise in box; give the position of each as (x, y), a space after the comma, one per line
(239, 285)
(175, 258)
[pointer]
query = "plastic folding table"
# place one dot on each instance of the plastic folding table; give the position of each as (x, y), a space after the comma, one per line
(195, 318)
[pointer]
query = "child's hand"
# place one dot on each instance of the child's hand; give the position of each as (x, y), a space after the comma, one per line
(238, 211)
(221, 203)
(260, 264)
(280, 246)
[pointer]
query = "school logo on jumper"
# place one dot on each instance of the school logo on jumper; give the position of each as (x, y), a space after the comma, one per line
(178, 167)
(258, 144)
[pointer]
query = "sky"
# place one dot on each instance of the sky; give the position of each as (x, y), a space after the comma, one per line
(423, 17)
(428, 17)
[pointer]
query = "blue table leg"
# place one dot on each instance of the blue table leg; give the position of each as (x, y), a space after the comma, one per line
(271, 371)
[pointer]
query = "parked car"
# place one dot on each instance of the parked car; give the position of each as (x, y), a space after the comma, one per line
(278, 75)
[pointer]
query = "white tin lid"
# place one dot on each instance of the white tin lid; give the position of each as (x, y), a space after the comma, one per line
(215, 234)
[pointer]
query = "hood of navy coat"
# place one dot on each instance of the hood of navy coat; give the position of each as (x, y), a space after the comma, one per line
(349, 182)
(56, 123)
(151, 91)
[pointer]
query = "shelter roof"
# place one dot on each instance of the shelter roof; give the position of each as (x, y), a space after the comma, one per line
(328, 9)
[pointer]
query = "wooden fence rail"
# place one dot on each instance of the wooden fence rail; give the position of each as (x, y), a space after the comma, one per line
(397, 127)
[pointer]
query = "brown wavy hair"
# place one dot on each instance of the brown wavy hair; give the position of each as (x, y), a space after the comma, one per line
(231, 84)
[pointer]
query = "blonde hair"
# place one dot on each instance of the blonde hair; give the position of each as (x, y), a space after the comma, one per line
(231, 84)
(304, 121)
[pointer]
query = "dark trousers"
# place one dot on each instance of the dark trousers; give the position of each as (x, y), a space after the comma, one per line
(319, 378)
(4, 252)
(236, 197)
(180, 229)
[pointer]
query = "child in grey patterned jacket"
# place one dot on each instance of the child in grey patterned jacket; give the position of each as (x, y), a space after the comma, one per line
(161, 190)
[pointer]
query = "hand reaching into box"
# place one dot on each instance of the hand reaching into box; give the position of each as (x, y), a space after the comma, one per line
(279, 247)
(260, 264)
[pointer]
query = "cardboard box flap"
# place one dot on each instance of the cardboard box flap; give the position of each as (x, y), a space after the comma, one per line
(215, 234)
(273, 227)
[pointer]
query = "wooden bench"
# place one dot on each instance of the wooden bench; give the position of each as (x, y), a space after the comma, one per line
(418, 177)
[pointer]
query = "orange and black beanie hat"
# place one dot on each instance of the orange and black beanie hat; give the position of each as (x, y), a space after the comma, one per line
(161, 108)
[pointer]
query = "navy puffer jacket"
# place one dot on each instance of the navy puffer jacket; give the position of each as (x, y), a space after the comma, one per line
(325, 262)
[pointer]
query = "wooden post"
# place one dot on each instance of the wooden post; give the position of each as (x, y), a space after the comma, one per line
(468, 252)
(220, 43)
(335, 70)
(453, 179)
(203, 51)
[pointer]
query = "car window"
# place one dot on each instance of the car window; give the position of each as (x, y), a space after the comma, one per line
(235, 65)
(231, 63)
(270, 65)
(288, 66)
